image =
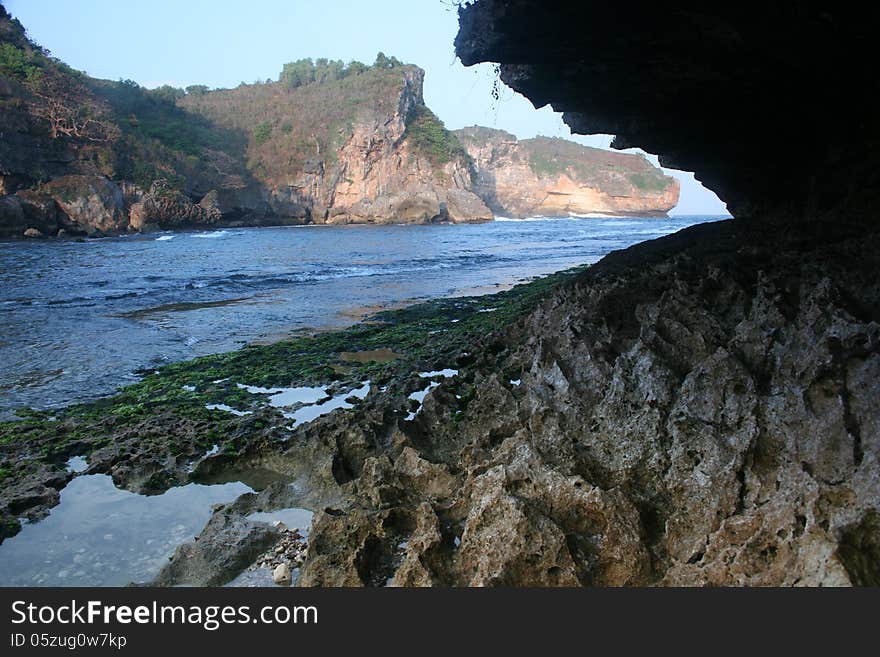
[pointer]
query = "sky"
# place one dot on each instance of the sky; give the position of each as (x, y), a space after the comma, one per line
(222, 43)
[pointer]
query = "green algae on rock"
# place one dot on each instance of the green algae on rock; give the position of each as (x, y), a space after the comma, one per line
(150, 435)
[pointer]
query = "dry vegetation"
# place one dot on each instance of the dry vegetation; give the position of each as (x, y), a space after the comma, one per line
(287, 126)
(599, 168)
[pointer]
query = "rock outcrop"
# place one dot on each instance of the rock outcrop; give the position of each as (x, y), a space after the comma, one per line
(556, 177)
(95, 206)
(90, 203)
(368, 168)
(381, 177)
(167, 209)
(696, 410)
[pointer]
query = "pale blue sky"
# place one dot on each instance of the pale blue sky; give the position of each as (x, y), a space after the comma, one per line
(221, 43)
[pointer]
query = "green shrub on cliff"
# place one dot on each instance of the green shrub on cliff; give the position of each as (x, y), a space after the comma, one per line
(616, 173)
(430, 137)
(262, 132)
(116, 128)
(544, 164)
(154, 114)
(18, 64)
(649, 182)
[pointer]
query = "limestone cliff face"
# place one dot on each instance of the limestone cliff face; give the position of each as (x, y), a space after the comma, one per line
(377, 174)
(555, 177)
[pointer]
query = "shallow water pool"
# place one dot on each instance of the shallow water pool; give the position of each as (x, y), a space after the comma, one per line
(100, 535)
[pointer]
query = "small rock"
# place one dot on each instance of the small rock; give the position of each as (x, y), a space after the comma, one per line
(281, 574)
(32, 232)
(280, 526)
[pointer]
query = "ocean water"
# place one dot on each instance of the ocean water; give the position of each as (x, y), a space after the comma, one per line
(80, 319)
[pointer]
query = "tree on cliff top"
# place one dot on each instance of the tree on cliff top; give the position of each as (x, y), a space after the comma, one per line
(384, 61)
(295, 74)
(305, 71)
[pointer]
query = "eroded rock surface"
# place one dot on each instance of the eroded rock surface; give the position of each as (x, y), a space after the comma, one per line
(696, 410)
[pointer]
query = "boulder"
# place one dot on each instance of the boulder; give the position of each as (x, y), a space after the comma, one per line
(12, 219)
(463, 206)
(166, 208)
(93, 204)
(40, 211)
(281, 574)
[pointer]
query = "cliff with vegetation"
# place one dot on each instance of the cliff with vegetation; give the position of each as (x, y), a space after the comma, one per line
(348, 144)
(553, 177)
(328, 142)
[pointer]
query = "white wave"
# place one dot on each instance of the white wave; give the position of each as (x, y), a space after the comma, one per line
(524, 219)
(216, 233)
(165, 238)
(592, 215)
(624, 223)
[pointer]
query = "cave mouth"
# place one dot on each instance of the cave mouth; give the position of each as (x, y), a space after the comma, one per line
(771, 113)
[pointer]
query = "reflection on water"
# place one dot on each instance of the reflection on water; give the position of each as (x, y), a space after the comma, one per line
(294, 518)
(100, 535)
(76, 464)
(254, 477)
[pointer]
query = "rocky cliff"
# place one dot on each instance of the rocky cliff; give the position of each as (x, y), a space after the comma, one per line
(556, 177)
(326, 143)
(360, 149)
(93, 157)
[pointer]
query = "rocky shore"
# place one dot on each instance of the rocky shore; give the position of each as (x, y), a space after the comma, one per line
(156, 433)
(694, 410)
(688, 411)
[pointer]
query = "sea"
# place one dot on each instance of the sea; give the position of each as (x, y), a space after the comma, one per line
(79, 319)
